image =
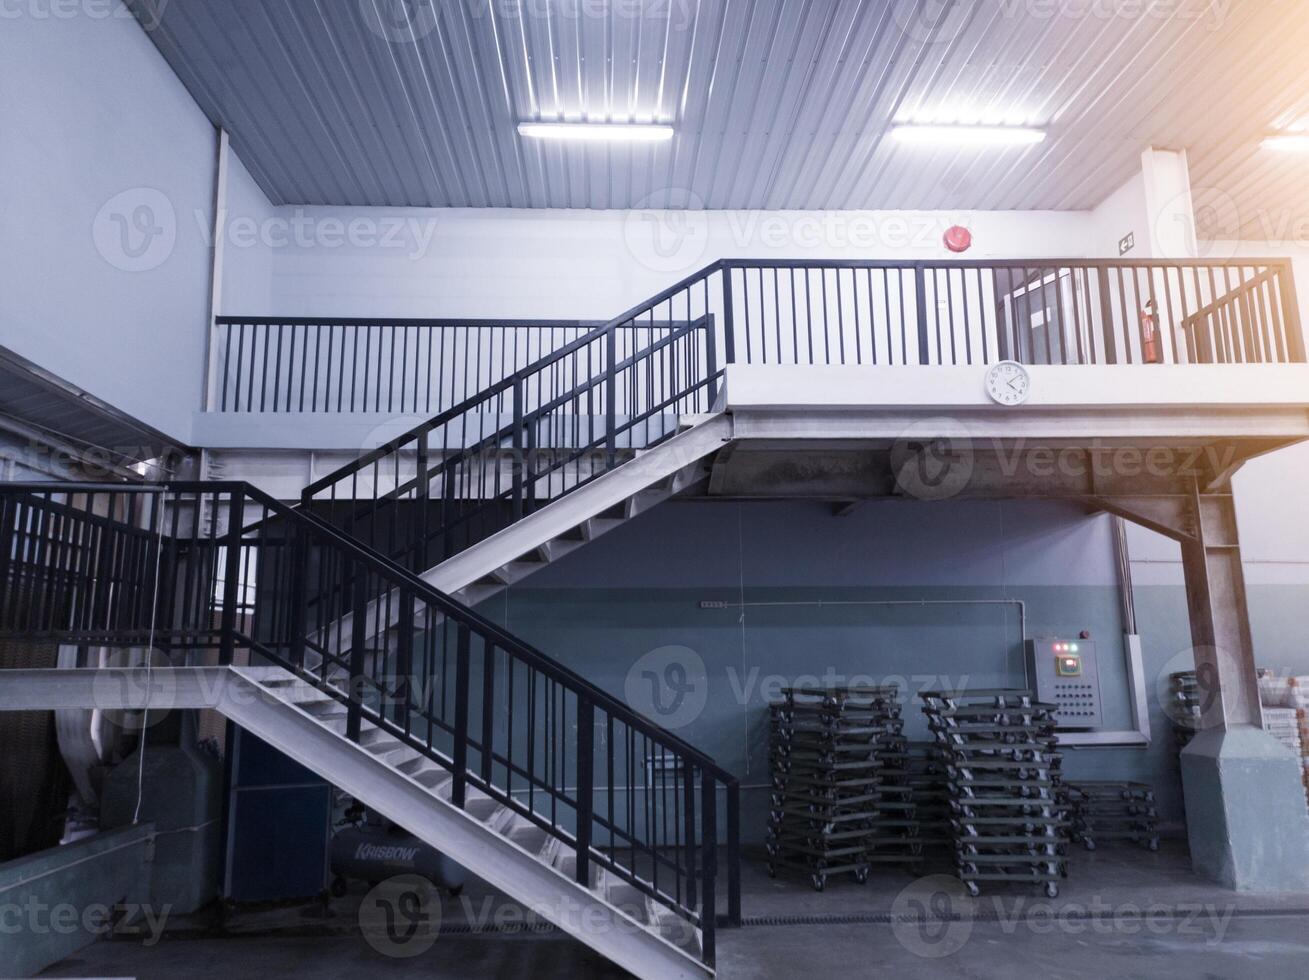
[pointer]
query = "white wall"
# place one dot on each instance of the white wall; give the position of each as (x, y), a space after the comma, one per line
(105, 161)
(569, 264)
(1122, 213)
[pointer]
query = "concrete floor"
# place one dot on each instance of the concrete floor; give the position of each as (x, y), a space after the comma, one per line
(1122, 913)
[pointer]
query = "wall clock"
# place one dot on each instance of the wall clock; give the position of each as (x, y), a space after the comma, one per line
(1008, 383)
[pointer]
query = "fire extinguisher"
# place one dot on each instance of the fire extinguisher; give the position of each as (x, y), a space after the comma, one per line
(1150, 352)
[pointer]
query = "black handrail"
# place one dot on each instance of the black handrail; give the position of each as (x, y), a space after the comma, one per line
(397, 653)
(481, 465)
(408, 365)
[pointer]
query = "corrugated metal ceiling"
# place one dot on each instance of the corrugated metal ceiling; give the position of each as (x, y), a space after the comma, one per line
(777, 103)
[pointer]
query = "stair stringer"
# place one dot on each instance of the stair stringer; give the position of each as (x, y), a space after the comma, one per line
(633, 485)
(673, 462)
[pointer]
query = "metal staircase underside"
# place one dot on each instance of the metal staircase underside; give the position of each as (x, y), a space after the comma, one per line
(651, 477)
(489, 838)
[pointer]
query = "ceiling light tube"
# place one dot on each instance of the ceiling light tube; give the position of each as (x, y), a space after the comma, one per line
(968, 135)
(597, 132)
(1292, 142)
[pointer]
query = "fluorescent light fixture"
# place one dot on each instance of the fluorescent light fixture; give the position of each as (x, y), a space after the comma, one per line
(967, 135)
(1291, 142)
(597, 132)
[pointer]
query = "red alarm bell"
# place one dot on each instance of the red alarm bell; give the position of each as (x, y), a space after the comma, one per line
(958, 239)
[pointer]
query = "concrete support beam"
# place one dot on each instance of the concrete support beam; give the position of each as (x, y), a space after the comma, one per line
(1245, 811)
(1220, 617)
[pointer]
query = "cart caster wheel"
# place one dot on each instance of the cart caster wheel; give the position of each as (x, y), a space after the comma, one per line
(1154, 844)
(818, 881)
(1051, 890)
(1090, 845)
(772, 872)
(861, 876)
(339, 887)
(455, 892)
(974, 889)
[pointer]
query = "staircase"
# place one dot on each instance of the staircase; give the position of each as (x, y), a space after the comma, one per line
(380, 677)
(491, 839)
(570, 522)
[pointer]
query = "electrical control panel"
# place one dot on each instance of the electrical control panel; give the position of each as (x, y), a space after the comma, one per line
(1066, 673)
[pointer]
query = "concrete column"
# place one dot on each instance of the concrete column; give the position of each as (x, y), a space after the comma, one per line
(1245, 807)
(1169, 205)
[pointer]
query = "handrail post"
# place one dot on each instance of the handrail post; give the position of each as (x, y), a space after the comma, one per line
(585, 785)
(709, 842)
(611, 397)
(734, 854)
(299, 592)
(358, 637)
(459, 784)
(517, 461)
(421, 491)
(711, 359)
(1295, 352)
(920, 303)
(9, 507)
(404, 687)
(1107, 318)
(729, 322)
(688, 789)
(231, 577)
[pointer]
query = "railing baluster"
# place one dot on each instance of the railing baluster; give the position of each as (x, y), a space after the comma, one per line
(458, 786)
(231, 583)
(709, 862)
(1291, 326)
(358, 639)
(920, 294)
(585, 785)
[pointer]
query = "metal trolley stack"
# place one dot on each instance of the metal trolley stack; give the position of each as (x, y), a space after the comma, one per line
(1184, 706)
(930, 792)
(1104, 811)
(827, 778)
(1003, 773)
(894, 838)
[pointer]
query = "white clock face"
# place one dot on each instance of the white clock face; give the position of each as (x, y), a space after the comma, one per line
(1008, 383)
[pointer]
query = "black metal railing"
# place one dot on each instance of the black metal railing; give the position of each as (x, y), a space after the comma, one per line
(1066, 312)
(558, 423)
(390, 366)
(213, 569)
(484, 463)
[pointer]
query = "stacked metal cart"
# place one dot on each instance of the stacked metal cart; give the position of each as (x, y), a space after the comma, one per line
(1184, 706)
(825, 748)
(894, 838)
(1104, 811)
(1002, 770)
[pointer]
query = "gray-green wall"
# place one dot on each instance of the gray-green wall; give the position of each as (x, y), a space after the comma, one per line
(817, 589)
